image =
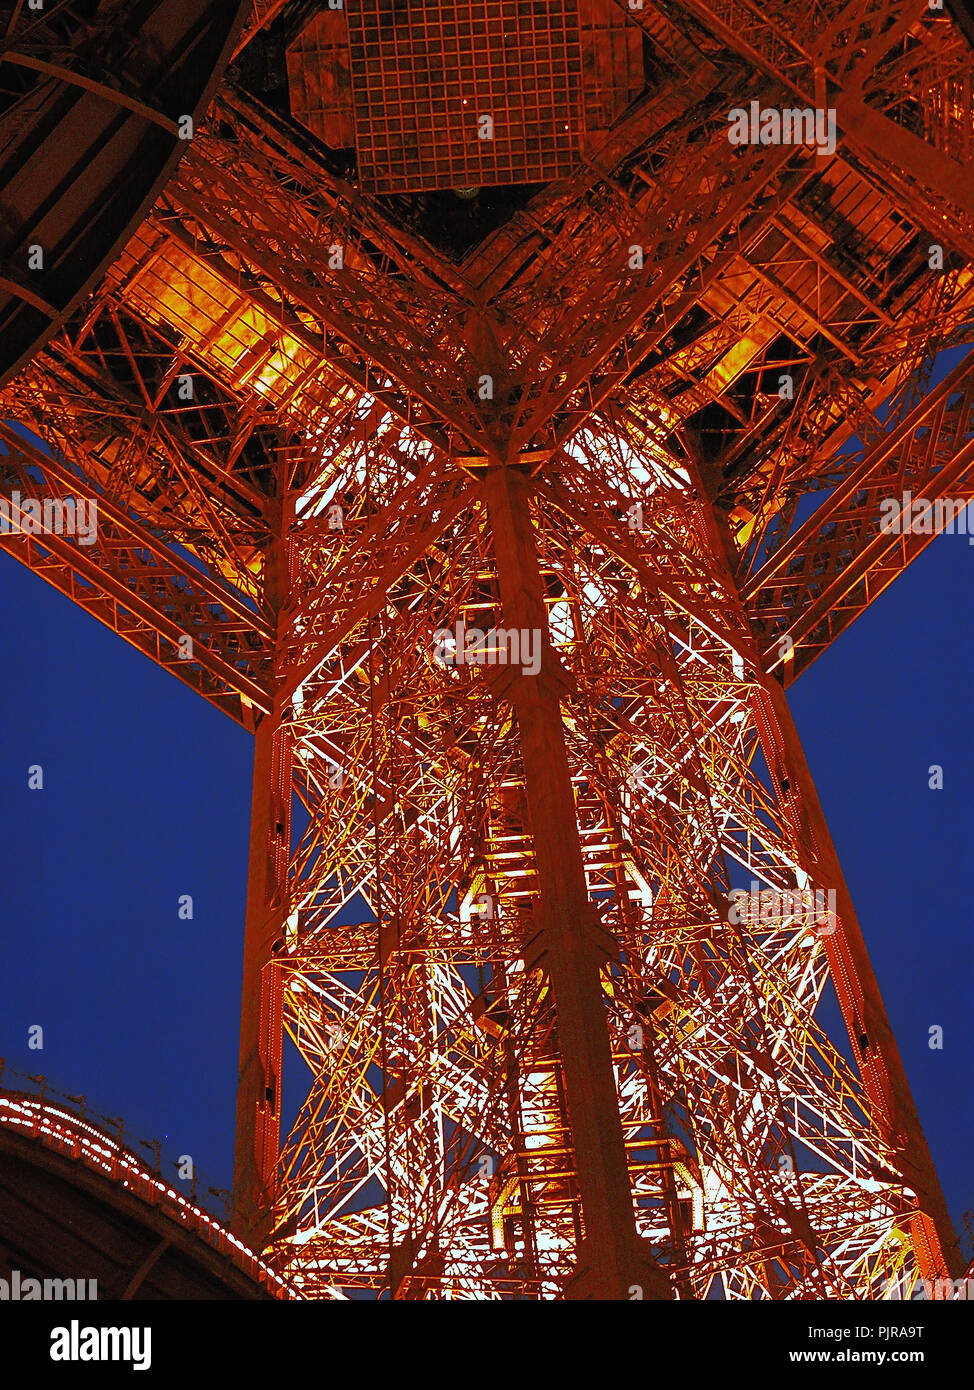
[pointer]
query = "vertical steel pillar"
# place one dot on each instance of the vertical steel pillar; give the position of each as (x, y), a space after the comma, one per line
(567, 940)
(258, 1120)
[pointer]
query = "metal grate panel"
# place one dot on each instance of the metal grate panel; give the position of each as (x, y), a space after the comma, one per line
(320, 81)
(612, 62)
(424, 73)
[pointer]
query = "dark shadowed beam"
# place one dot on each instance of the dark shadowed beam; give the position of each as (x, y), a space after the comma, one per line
(82, 158)
(962, 12)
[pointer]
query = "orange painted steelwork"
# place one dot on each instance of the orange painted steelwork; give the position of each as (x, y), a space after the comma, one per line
(489, 902)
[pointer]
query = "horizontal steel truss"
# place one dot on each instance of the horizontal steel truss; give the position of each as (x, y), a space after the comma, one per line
(841, 559)
(137, 585)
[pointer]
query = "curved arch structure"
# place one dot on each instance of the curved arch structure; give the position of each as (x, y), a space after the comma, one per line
(89, 141)
(76, 1206)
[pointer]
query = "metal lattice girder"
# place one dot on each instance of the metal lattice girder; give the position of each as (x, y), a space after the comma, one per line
(373, 561)
(835, 68)
(601, 351)
(675, 228)
(130, 580)
(492, 916)
(286, 223)
(153, 458)
(456, 1010)
(831, 568)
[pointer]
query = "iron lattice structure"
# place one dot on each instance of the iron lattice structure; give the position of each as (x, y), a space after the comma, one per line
(489, 908)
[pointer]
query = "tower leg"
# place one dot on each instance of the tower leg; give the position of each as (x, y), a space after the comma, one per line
(568, 944)
(261, 1019)
(258, 1120)
(863, 1011)
(857, 989)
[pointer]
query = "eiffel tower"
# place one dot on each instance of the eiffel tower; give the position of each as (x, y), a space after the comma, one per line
(475, 422)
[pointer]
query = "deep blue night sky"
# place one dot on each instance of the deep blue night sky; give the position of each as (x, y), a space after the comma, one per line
(146, 797)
